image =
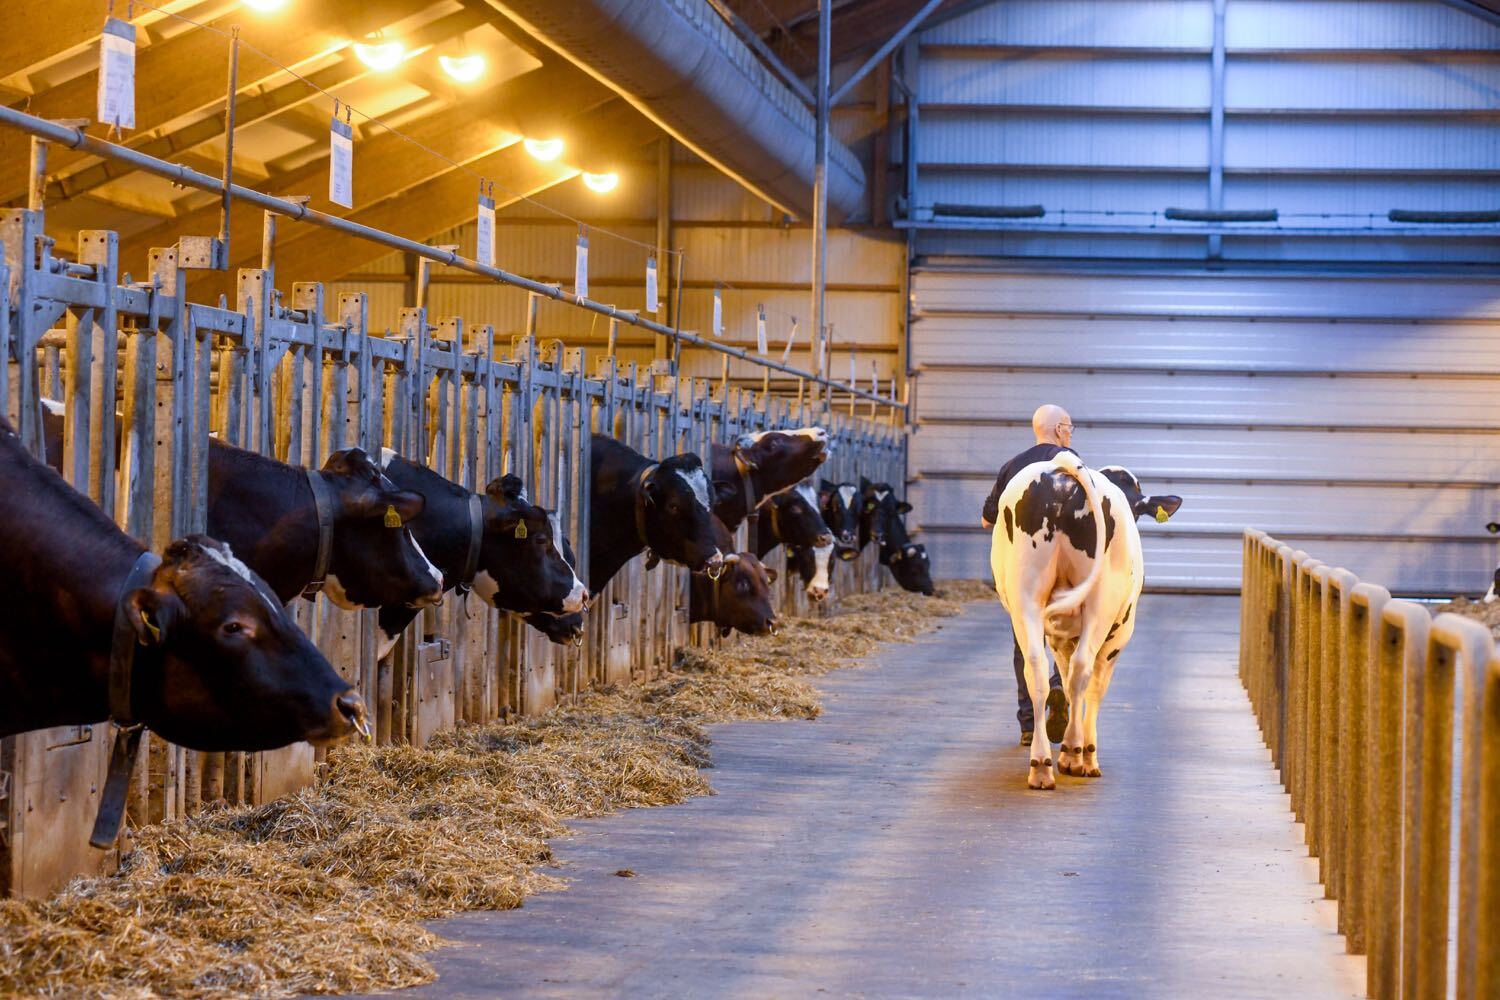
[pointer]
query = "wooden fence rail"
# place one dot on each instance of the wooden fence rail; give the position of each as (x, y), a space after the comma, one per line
(1362, 699)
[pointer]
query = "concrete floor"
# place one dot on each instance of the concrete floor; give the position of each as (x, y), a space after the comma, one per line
(891, 849)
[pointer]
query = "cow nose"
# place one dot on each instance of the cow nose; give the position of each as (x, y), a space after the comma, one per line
(824, 540)
(577, 600)
(817, 593)
(349, 715)
(716, 563)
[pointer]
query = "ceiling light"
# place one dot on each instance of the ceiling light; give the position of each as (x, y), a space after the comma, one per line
(601, 183)
(464, 69)
(545, 149)
(265, 6)
(380, 56)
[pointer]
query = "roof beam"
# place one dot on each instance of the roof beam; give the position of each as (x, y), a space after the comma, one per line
(185, 74)
(386, 164)
(444, 201)
(42, 29)
(255, 103)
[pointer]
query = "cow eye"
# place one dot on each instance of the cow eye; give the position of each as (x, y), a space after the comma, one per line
(233, 628)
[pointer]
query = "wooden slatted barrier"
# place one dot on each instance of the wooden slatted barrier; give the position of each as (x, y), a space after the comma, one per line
(1361, 699)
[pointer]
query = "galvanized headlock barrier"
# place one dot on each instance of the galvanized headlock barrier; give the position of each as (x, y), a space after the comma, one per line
(298, 377)
(1360, 697)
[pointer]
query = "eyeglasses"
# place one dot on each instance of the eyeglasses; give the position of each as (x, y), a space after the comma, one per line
(1065, 427)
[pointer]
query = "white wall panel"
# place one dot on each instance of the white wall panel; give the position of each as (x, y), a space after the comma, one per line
(1389, 461)
(1143, 23)
(1358, 24)
(1069, 78)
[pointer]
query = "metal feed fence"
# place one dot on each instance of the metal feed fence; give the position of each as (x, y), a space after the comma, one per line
(298, 377)
(1360, 698)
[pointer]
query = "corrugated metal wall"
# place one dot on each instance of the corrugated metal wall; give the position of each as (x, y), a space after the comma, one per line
(1334, 113)
(1353, 416)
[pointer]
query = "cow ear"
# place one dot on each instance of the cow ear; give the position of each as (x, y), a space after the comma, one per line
(152, 614)
(771, 574)
(1160, 507)
(724, 491)
(405, 504)
(902, 507)
(864, 484)
(507, 488)
(825, 487)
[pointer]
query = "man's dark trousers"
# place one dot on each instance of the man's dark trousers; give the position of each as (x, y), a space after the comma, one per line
(1025, 714)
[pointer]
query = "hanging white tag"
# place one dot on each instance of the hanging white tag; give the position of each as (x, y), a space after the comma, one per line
(581, 268)
(874, 377)
(117, 74)
(718, 326)
(484, 232)
(341, 163)
(786, 352)
(760, 330)
(853, 378)
(651, 302)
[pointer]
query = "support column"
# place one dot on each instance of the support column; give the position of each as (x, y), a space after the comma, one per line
(1216, 130)
(820, 196)
(664, 315)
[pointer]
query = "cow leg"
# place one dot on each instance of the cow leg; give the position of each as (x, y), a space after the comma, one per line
(1104, 668)
(1078, 681)
(1034, 646)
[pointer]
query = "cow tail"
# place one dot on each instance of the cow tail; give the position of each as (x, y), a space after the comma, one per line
(1070, 599)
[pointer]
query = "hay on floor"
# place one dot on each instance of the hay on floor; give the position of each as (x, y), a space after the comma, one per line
(326, 891)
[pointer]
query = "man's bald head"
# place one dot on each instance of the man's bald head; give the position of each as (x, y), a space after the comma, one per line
(1052, 425)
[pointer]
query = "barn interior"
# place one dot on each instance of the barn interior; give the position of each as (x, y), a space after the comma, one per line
(1251, 246)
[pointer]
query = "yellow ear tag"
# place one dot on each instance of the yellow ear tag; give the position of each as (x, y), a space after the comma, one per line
(520, 529)
(152, 628)
(1162, 515)
(392, 519)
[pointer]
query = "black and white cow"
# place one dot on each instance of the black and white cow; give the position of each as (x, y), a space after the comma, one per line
(792, 518)
(518, 562)
(909, 564)
(217, 664)
(1489, 598)
(267, 512)
(839, 505)
(637, 504)
(1066, 556)
(562, 629)
(879, 513)
(763, 464)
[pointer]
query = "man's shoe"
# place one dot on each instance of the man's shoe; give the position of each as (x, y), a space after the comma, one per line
(1057, 715)
(1026, 738)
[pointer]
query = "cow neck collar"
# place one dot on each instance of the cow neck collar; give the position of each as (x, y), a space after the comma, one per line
(323, 508)
(639, 489)
(476, 540)
(122, 648)
(746, 469)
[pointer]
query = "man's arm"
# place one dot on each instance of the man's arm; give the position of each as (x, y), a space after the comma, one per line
(992, 502)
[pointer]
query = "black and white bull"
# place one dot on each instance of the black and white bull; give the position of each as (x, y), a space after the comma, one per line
(1066, 556)
(508, 551)
(792, 519)
(763, 464)
(217, 664)
(636, 504)
(839, 505)
(268, 513)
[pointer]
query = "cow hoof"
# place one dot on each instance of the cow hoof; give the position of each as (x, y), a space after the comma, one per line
(1092, 772)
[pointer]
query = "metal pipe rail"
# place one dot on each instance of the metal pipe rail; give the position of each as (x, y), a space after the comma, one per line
(1359, 698)
(76, 138)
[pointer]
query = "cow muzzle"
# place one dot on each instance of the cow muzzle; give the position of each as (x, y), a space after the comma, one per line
(817, 593)
(715, 565)
(349, 716)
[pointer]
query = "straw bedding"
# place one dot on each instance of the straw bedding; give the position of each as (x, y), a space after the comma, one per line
(326, 891)
(1489, 614)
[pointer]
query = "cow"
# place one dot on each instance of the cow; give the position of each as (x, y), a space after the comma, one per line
(763, 464)
(565, 628)
(739, 599)
(495, 543)
(1066, 557)
(792, 518)
(1489, 598)
(879, 512)
(838, 504)
(354, 541)
(636, 504)
(909, 566)
(214, 662)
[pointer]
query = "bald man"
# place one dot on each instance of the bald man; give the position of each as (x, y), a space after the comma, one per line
(1053, 429)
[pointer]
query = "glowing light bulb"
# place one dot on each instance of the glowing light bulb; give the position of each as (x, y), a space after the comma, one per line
(544, 149)
(464, 69)
(265, 6)
(380, 56)
(601, 183)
